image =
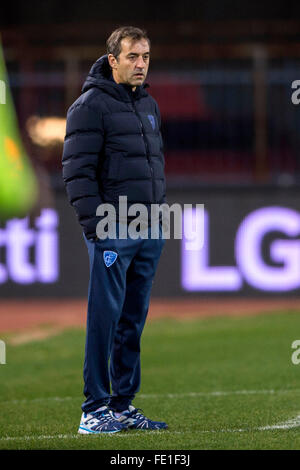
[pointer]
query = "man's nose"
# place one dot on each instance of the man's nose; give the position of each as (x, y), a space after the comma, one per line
(140, 63)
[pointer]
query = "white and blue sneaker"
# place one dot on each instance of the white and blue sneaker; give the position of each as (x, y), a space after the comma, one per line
(99, 421)
(134, 419)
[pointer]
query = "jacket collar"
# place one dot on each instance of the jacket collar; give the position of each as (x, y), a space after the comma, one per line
(100, 76)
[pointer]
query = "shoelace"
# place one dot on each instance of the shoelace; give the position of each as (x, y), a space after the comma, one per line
(136, 413)
(104, 416)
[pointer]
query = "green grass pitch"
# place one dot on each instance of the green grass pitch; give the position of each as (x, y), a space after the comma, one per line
(219, 383)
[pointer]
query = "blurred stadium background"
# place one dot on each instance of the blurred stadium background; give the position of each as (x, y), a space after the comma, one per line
(222, 74)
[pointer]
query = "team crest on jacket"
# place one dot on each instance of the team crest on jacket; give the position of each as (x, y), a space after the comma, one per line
(152, 120)
(109, 258)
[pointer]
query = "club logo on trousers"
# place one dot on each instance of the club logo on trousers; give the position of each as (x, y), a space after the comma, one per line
(109, 258)
(152, 120)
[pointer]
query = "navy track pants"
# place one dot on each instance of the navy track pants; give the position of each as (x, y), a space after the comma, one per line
(118, 302)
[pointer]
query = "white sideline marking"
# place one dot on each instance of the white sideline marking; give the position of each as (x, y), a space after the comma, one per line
(163, 395)
(292, 423)
(217, 393)
(112, 435)
(37, 400)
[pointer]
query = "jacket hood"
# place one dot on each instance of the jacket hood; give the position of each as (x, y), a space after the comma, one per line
(100, 76)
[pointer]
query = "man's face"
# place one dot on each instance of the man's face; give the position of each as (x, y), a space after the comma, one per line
(131, 67)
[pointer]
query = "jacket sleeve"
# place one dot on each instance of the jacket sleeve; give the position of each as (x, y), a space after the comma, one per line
(82, 147)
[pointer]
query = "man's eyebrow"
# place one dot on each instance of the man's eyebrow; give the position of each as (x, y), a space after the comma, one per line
(136, 54)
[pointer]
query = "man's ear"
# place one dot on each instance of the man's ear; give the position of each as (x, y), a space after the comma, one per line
(112, 61)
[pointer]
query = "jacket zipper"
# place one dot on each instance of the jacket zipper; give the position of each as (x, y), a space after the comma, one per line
(147, 151)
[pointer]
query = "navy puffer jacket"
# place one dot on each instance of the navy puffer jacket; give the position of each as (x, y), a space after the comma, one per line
(113, 147)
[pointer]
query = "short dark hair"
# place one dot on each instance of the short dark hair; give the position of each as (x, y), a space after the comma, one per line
(113, 44)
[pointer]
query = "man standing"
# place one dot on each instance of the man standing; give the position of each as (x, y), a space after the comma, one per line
(113, 147)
